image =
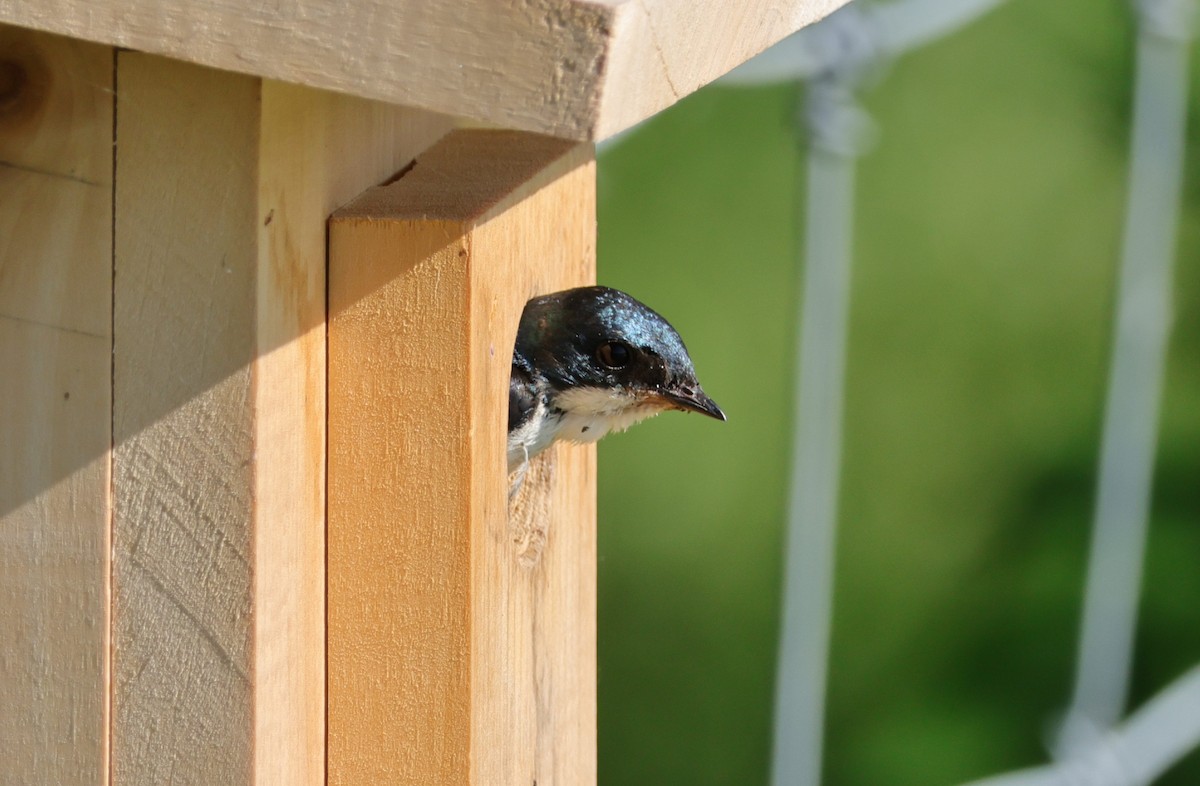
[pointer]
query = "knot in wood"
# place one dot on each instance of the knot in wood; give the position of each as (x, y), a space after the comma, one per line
(12, 81)
(24, 83)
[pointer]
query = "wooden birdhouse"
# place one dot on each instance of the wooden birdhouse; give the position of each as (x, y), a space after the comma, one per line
(259, 286)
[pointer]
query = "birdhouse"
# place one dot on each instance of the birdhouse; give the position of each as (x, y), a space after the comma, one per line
(261, 267)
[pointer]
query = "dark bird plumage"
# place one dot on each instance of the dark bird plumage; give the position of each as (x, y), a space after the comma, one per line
(592, 360)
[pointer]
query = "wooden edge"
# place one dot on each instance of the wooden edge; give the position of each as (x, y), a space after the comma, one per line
(579, 69)
(456, 654)
(465, 175)
(664, 50)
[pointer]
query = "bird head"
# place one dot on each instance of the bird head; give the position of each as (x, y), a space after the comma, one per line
(609, 359)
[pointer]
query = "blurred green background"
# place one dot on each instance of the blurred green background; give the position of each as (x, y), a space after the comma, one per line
(988, 232)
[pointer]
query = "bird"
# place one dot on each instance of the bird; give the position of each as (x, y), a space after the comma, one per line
(593, 360)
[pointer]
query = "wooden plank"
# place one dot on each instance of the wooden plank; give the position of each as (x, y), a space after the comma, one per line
(55, 352)
(317, 150)
(582, 69)
(223, 186)
(457, 654)
(185, 269)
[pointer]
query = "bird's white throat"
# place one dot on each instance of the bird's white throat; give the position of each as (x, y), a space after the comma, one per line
(590, 413)
(584, 414)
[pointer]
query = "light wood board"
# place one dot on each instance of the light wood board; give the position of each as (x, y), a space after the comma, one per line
(223, 186)
(55, 354)
(456, 655)
(583, 69)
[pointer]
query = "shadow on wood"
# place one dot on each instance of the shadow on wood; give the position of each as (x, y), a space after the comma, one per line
(455, 656)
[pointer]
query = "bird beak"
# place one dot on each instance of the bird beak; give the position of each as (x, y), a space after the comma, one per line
(693, 401)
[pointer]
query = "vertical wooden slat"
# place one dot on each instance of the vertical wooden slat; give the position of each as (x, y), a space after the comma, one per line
(458, 654)
(55, 360)
(316, 152)
(223, 186)
(533, 603)
(186, 218)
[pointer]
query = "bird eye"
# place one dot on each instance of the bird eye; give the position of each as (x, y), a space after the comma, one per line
(615, 354)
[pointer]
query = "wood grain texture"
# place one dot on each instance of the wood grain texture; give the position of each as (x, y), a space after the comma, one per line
(55, 353)
(533, 661)
(452, 660)
(317, 150)
(185, 268)
(663, 50)
(223, 186)
(582, 69)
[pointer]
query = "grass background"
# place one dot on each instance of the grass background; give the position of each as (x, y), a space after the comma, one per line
(988, 230)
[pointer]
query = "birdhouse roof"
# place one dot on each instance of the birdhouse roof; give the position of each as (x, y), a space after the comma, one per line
(581, 69)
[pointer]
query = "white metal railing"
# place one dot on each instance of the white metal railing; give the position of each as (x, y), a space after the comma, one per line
(1090, 748)
(833, 57)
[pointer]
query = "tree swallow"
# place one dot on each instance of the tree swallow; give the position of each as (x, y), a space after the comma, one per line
(593, 360)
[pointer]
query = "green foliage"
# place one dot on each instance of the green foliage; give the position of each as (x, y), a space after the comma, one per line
(988, 231)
